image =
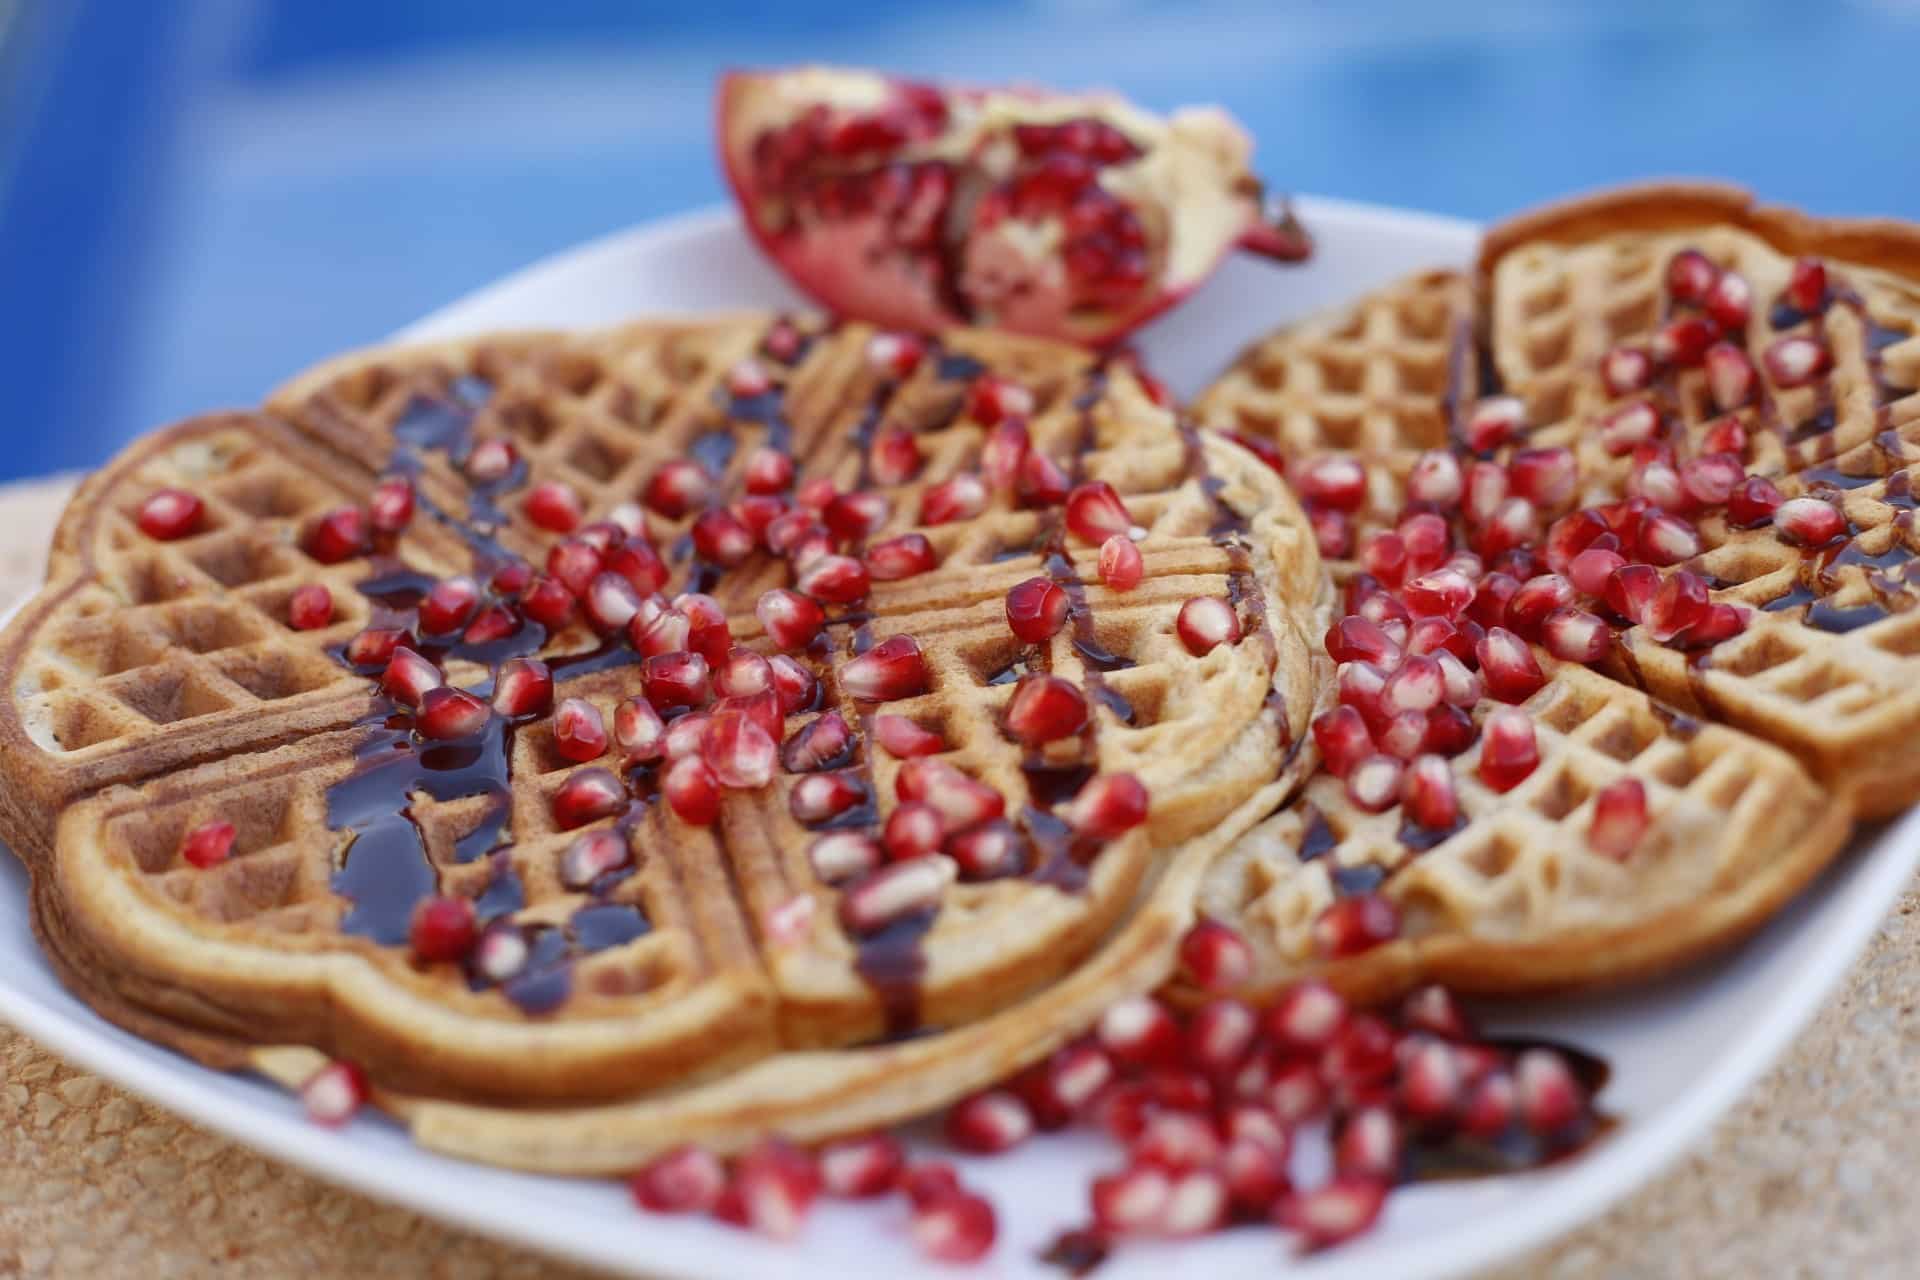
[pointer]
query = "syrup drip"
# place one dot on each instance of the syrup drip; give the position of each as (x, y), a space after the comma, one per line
(1443, 1154)
(1349, 881)
(1419, 839)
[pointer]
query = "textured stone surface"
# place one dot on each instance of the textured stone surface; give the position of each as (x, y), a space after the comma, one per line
(1806, 1177)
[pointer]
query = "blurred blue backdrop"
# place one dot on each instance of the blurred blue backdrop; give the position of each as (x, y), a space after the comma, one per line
(199, 196)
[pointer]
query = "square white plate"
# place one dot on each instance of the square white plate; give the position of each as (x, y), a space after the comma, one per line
(1680, 1054)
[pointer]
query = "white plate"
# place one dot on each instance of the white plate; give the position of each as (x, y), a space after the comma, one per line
(1681, 1055)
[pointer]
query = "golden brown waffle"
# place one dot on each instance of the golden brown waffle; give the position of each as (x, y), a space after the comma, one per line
(1516, 900)
(711, 969)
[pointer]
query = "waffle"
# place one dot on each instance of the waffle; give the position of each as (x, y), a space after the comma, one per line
(692, 967)
(1808, 710)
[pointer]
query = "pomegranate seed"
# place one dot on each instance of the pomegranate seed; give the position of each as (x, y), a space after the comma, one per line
(1444, 593)
(1730, 302)
(768, 471)
(490, 461)
(449, 713)
(1341, 734)
(954, 1228)
(1354, 639)
(334, 1093)
(891, 670)
(1255, 1174)
(373, 647)
(1691, 276)
(1402, 737)
(1508, 666)
(310, 607)
(1795, 361)
(1574, 635)
(587, 796)
(1629, 426)
(791, 620)
(1493, 422)
(1177, 1140)
(1335, 481)
(1490, 1106)
(1625, 370)
(409, 676)
(1544, 477)
(1121, 565)
(207, 845)
(1427, 794)
(555, 506)
(1043, 483)
(719, 538)
(1436, 479)
(1384, 556)
(894, 892)
(502, 952)
(1426, 541)
(1508, 749)
(442, 929)
(1727, 436)
(926, 1182)
(1463, 685)
(854, 516)
(1004, 455)
(1683, 340)
(1219, 1036)
(1658, 481)
(1631, 590)
(390, 509)
(1067, 1083)
(339, 535)
(844, 856)
(1138, 1031)
(1359, 923)
(1418, 685)
(1590, 570)
(590, 857)
(816, 494)
(1096, 513)
(1387, 613)
(1132, 1202)
(668, 632)
(1680, 602)
(1332, 532)
(1730, 376)
(574, 563)
(1710, 480)
(986, 852)
(961, 498)
(1036, 609)
(1807, 286)
(894, 354)
(1722, 622)
(824, 743)
(1122, 1109)
(960, 799)
(819, 797)
(1215, 957)
(523, 687)
(1549, 1097)
(495, 622)
(1368, 1144)
(168, 514)
(448, 605)
(742, 674)
(693, 791)
(1514, 523)
(1490, 599)
(1619, 818)
(1363, 686)
(1108, 807)
(794, 687)
(1431, 1084)
(687, 1179)
(1536, 598)
(675, 680)
(992, 398)
(913, 831)
(1753, 502)
(1334, 1212)
(862, 1168)
(1044, 709)
(579, 732)
(1808, 522)
(1305, 1017)
(1360, 1059)
(776, 1184)
(548, 602)
(1196, 1205)
(748, 379)
(1297, 1093)
(901, 557)
(904, 739)
(739, 753)
(835, 579)
(678, 487)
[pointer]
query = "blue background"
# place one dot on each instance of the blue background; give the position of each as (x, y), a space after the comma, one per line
(200, 196)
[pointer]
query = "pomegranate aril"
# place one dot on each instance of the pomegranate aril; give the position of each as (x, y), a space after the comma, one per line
(913, 831)
(1336, 1211)
(1691, 276)
(894, 892)
(1683, 340)
(954, 1228)
(960, 799)
(960, 498)
(587, 796)
(1753, 502)
(687, 1179)
(1296, 1092)
(1730, 376)
(1341, 734)
(791, 620)
(334, 1093)
(1431, 1085)
(501, 953)
(1095, 512)
(1548, 1097)
(821, 797)
(1721, 622)
(1197, 1204)
(374, 647)
(768, 471)
(1332, 532)
(1807, 286)
(1726, 435)
(677, 679)
(928, 1181)
(590, 857)
(1680, 602)
(310, 607)
(1108, 807)
(1536, 598)
(747, 379)
(1808, 522)
(861, 1168)
(390, 509)
(1255, 1174)
(1629, 426)
(548, 602)
(1545, 477)
(891, 670)
(1368, 1144)
(409, 677)
(1444, 593)
(742, 674)
(1625, 370)
(1495, 421)
(1351, 639)
(835, 579)
(442, 929)
(523, 687)
(1044, 709)
(1508, 667)
(678, 487)
(1043, 482)
(1138, 1031)
(1036, 609)
(904, 739)
(1490, 1106)
(1509, 751)
(1402, 736)
(574, 563)
(1574, 635)
(1730, 302)
(339, 535)
(1004, 454)
(168, 514)
(776, 1184)
(824, 743)
(1132, 1202)
(1335, 481)
(554, 506)
(739, 752)
(1590, 570)
(1355, 924)
(1436, 479)
(207, 845)
(719, 538)
(1631, 589)
(579, 730)
(853, 516)
(1427, 794)
(1513, 524)
(1424, 537)
(1068, 1082)
(1363, 686)
(1219, 1036)
(1619, 818)
(692, 790)
(489, 461)
(1215, 956)
(1384, 556)
(1177, 1140)
(895, 355)
(1796, 361)
(794, 687)
(844, 856)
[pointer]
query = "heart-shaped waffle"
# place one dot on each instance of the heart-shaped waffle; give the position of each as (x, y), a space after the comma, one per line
(1665, 434)
(621, 922)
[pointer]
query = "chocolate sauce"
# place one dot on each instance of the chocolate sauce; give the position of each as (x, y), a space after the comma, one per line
(953, 366)
(1349, 881)
(504, 893)
(607, 924)
(1679, 724)
(1830, 617)
(713, 450)
(892, 964)
(547, 980)
(1061, 859)
(1053, 785)
(1420, 839)
(1444, 1154)
(1077, 1252)
(1318, 840)
(1829, 478)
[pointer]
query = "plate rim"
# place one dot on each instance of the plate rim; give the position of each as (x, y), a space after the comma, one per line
(1626, 1163)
